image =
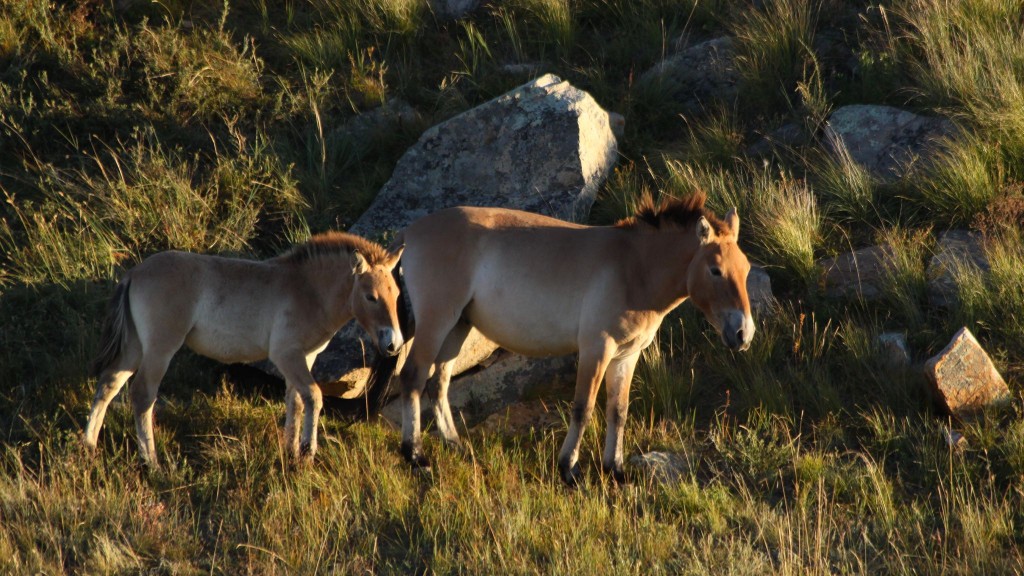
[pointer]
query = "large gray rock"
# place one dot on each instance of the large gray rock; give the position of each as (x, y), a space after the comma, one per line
(884, 140)
(543, 147)
(508, 380)
(698, 75)
(957, 249)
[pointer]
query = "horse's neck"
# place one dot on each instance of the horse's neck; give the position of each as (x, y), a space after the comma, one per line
(665, 261)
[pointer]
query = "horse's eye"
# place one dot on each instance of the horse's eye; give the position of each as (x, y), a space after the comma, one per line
(716, 271)
(371, 298)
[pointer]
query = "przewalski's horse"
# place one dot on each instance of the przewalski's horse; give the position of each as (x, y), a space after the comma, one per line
(540, 286)
(285, 309)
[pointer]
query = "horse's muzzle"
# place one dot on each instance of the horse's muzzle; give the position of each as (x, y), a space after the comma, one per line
(737, 330)
(389, 341)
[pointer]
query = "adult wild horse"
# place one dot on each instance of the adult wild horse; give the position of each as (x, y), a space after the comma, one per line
(540, 286)
(285, 309)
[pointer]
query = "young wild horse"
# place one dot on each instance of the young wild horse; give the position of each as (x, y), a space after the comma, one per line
(540, 286)
(285, 309)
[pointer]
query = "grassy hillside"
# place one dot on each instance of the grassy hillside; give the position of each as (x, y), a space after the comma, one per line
(129, 127)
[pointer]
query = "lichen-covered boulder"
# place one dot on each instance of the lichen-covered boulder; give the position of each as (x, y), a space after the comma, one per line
(884, 140)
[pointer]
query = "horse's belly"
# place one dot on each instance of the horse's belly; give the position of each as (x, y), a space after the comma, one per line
(549, 333)
(225, 347)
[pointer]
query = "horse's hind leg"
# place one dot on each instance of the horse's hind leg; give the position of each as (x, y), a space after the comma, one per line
(444, 366)
(107, 387)
(617, 382)
(108, 384)
(143, 391)
(593, 361)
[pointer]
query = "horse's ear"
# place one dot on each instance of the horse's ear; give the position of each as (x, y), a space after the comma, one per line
(732, 219)
(704, 231)
(394, 258)
(359, 264)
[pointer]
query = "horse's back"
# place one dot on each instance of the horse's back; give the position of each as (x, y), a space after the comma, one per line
(524, 280)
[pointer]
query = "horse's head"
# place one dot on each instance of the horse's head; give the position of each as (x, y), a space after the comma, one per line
(717, 281)
(374, 300)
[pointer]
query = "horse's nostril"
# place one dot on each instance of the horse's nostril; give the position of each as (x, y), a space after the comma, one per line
(739, 335)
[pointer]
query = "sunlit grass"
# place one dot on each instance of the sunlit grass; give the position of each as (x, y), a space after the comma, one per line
(225, 128)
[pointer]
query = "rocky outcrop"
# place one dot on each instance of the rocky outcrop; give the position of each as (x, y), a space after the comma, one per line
(964, 377)
(957, 250)
(544, 147)
(883, 140)
(697, 76)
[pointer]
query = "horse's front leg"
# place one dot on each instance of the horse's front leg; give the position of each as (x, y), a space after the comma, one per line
(293, 413)
(593, 361)
(295, 368)
(618, 380)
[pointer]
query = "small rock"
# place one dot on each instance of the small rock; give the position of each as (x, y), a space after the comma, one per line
(665, 467)
(886, 141)
(453, 9)
(954, 440)
(893, 348)
(786, 136)
(957, 249)
(965, 378)
(859, 274)
(363, 129)
(522, 69)
(697, 76)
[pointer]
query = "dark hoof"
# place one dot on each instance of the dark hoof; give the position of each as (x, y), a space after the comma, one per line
(414, 457)
(423, 471)
(618, 475)
(571, 476)
(457, 447)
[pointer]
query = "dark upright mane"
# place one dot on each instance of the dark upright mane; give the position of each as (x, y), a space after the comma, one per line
(335, 243)
(674, 212)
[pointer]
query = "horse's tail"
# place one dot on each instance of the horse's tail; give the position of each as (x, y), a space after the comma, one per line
(115, 329)
(378, 389)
